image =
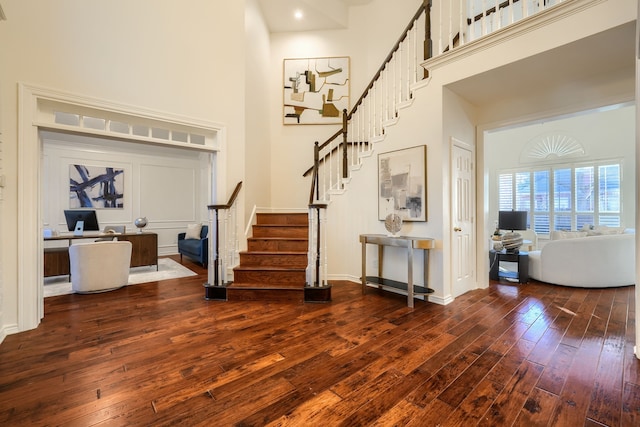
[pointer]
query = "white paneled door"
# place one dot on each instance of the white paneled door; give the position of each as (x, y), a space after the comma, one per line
(462, 221)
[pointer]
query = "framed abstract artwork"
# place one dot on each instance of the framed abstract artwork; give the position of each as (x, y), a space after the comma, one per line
(402, 184)
(96, 187)
(316, 90)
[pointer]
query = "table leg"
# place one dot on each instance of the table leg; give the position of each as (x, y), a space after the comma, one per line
(364, 266)
(409, 277)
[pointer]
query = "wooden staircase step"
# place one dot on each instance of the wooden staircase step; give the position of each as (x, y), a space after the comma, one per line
(276, 244)
(273, 259)
(269, 275)
(282, 218)
(280, 230)
(274, 266)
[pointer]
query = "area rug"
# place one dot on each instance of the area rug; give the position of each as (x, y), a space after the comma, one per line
(167, 269)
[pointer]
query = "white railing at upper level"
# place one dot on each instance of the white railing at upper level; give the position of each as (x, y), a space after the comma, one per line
(461, 21)
(435, 29)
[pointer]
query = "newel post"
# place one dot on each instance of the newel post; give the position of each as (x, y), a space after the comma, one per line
(428, 41)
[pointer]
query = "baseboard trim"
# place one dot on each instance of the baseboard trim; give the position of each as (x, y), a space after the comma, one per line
(441, 300)
(8, 330)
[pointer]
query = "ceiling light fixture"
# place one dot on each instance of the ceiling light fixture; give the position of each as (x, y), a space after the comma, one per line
(298, 14)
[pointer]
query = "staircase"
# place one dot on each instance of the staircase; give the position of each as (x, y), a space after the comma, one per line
(274, 265)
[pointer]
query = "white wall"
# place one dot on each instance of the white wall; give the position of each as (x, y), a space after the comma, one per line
(186, 61)
(168, 186)
(372, 32)
(256, 185)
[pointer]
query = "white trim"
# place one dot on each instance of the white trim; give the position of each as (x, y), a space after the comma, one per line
(441, 300)
(35, 111)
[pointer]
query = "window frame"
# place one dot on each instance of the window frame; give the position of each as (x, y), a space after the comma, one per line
(543, 222)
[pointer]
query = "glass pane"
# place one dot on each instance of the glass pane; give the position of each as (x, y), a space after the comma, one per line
(541, 191)
(505, 191)
(582, 220)
(541, 224)
(562, 191)
(523, 191)
(609, 188)
(609, 220)
(562, 222)
(584, 189)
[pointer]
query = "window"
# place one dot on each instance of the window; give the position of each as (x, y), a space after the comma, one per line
(566, 197)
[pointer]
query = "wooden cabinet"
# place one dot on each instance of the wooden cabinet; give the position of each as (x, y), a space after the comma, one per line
(144, 251)
(56, 262)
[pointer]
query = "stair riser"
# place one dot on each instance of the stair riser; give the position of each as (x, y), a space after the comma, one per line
(273, 260)
(277, 231)
(268, 277)
(262, 245)
(282, 218)
(280, 295)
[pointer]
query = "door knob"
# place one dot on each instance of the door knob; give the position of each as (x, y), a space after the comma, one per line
(457, 229)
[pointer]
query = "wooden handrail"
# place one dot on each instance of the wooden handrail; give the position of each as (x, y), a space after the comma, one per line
(333, 150)
(231, 201)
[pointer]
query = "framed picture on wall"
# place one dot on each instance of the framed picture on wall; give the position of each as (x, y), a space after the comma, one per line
(97, 187)
(316, 90)
(402, 184)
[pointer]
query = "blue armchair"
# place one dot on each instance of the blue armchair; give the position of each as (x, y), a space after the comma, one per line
(196, 249)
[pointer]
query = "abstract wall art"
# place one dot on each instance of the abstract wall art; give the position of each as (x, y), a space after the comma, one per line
(402, 184)
(316, 90)
(96, 187)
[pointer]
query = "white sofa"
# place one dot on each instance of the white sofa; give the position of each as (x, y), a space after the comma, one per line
(589, 262)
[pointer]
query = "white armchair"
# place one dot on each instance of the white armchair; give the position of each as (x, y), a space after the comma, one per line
(99, 266)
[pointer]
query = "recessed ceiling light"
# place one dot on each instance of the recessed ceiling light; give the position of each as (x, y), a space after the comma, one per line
(298, 14)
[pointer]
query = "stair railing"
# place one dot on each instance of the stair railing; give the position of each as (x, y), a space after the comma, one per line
(457, 22)
(390, 89)
(223, 239)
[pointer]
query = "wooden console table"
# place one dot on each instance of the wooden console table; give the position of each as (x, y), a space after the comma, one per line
(410, 243)
(144, 250)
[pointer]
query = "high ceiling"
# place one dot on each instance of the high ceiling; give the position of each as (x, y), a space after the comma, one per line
(318, 14)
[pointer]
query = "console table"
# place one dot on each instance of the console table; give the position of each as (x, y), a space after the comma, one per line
(410, 243)
(144, 250)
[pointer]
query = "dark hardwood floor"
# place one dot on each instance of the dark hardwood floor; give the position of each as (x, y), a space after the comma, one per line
(159, 354)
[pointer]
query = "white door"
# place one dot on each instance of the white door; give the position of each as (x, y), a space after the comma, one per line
(463, 209)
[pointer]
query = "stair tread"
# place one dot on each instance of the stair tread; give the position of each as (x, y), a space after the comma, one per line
(268, 268)
(269, 286)
(277, 238)
(274, 252)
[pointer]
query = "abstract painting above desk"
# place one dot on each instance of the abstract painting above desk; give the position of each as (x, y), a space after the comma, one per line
(96, 187)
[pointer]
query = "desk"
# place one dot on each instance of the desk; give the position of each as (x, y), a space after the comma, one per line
(410, 243)
(521, 258)
(144, 250)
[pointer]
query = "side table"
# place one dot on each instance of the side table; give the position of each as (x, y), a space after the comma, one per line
(521, 258)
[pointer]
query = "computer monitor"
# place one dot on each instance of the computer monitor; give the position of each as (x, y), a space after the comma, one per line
(89, 218)
(512, 220)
